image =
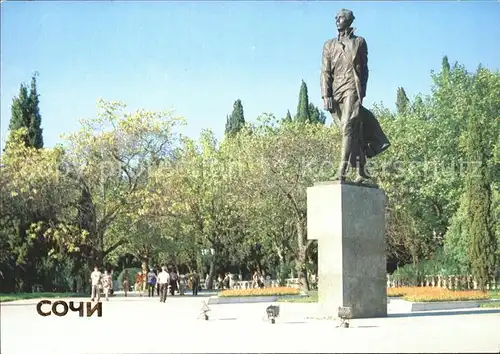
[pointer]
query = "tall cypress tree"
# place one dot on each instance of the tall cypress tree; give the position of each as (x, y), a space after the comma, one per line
(25, 113)
(235, 121)
(402, 101)
(478, 194)
(303, 114)
(445, 65)
(19, 112)
(288, 117)
(35, 119)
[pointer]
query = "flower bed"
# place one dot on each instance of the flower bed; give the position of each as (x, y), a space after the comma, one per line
(283, 291)
(428, 294)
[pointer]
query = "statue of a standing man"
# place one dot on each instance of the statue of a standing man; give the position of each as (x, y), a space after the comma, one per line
(344, 76)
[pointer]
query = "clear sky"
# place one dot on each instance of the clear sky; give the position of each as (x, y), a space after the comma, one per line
(199, 57)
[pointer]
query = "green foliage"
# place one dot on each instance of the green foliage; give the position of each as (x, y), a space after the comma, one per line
(126, 182)
(19, 110)
(306, 111)
(131, 273)
(316, 116)
(35, 119)
(236, 121)
(483, 245)
(303, 113)
(288, 117)
(25, 113)
(457, 241)
(402, 102)
(43, 295)
(438, 265)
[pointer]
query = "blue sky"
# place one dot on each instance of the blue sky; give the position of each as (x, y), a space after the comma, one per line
(199, 57)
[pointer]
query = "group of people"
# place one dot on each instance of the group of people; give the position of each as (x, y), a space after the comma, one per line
(162, 281)
(155, 280)
(100, 282)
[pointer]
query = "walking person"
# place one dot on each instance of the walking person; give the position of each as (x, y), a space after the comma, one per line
(195, 278)
(157, 271)
(163, 282)
(126, 282)
(182, 284)
(174, 277)
(107, 282)
(144, 278)
(151, 283)
(95, 279)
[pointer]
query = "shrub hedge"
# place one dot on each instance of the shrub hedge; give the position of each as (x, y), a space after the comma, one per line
(281, 291)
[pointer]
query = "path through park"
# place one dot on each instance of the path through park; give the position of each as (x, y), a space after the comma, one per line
(142, 325)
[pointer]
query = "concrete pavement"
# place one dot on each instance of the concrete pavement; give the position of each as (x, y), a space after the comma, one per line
(144, 325)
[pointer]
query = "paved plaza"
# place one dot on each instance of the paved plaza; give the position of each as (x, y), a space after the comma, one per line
(144, 325)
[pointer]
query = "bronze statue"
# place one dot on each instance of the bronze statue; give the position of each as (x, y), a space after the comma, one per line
(344, 76)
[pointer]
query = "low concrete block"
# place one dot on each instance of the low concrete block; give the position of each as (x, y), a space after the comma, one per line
(402, 306)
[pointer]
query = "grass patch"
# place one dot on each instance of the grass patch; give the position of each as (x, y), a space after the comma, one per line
(312, 296)
(282, 291)
(495, 294)
(28, 296)
(491, 305)
(428, 294)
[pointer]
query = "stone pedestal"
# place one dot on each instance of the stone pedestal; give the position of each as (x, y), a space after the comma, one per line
(349, 223)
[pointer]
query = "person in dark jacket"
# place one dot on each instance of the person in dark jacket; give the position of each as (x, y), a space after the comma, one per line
(151, 283)
(174, 277)
(195, 279)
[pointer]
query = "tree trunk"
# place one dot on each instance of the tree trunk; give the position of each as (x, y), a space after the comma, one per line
(211, 274)
(300, 265)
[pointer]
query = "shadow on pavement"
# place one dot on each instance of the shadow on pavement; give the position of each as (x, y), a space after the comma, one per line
(444, 313)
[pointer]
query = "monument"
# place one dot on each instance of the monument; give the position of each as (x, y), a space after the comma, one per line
(348, 218)
(344, 76)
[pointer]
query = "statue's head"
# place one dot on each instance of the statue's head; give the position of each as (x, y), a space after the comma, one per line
(344, 19)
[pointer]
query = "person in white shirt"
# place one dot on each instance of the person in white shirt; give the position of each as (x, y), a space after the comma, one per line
(163, 281)
(106, 284)
(95, 278)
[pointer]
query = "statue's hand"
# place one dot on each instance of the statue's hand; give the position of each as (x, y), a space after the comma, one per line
(328, 104)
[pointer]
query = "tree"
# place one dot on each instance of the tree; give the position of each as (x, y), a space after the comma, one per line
(288, 117)
(26, 114)
(316, 116)
(109, 158)
(402, 101)
(197, 191)
(483, 246)
(284, 159)
(445, 65)
(236, 121)
(303, 111)
(32, 193)
(35, 119)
